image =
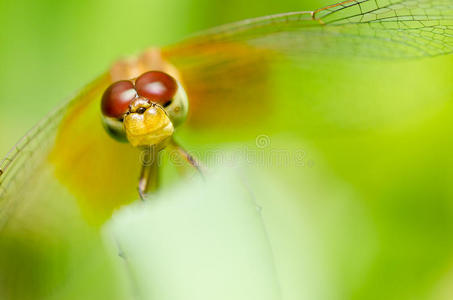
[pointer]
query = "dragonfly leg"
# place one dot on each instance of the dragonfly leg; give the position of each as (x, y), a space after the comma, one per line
(149, 175)
(191, 160)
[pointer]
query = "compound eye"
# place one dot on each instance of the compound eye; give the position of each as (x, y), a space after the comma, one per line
(116, 99)
(156, 86)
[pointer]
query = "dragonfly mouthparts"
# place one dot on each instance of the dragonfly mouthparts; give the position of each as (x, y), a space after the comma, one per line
(148, 125)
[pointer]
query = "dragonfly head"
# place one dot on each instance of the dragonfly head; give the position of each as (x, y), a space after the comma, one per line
(144, 111)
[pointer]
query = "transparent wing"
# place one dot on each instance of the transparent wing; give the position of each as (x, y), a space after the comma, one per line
(50, 201)
(370, 28)
(70, 146)
(230, 67)
(22, 157)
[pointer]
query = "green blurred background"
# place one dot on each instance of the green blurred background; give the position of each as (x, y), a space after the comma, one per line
(369, 216)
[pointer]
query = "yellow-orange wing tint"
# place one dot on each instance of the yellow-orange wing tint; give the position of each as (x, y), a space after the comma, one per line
(99, 171)
(228, 70)
(70, 146)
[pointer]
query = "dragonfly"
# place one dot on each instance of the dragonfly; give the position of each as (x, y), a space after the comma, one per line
(193, 83)
(221, 69)
(141, 101)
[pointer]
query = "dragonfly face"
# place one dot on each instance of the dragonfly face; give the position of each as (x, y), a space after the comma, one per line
(144, 111)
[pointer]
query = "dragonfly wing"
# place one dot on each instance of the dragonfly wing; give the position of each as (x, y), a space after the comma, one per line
(62, 180)
(223, 80)
(367, 28)
(71, 142)
(96, 168)
(230, 66)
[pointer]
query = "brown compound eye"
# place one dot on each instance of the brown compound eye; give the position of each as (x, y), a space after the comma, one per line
(116, 99)
(156, 86)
